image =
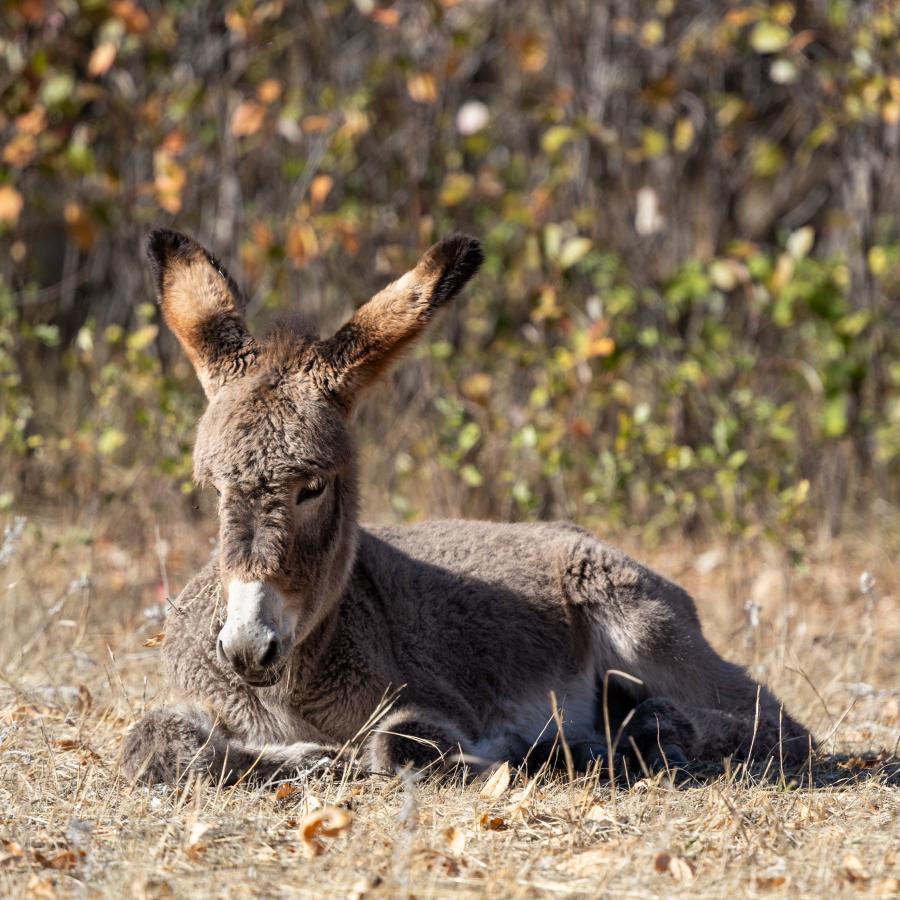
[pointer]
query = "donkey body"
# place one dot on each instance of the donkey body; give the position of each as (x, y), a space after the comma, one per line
(283, 647)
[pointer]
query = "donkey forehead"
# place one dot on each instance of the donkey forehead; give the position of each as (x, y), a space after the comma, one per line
(266, 429)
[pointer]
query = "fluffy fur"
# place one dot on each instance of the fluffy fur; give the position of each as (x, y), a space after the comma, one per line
(471, 625)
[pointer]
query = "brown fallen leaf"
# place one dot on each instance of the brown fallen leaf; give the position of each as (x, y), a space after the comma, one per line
(852, 869)
(521, 801)
(156, 640)
(590, 862)
(85, 753)
(769, 882)
(498, 783)
(284, 791)
(40, 888)
(12, 848)
(63, 861)
(152, 889)
(195, 846)
(13, 852)
(328, 822)
(85, 700)
(488, 822)
(681, 870)
(456, 840)
(435, 860)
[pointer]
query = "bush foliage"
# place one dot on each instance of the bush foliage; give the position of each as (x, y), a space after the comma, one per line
(688, 313)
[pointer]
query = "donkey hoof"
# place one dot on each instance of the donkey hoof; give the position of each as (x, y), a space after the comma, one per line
(586, 753)
(670, 757)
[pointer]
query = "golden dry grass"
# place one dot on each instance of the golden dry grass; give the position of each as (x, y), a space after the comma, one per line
(76, 673)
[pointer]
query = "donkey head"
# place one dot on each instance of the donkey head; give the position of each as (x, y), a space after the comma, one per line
(275, 440)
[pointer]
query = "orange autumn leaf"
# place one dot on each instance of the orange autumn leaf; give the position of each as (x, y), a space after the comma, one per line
(11, 203)
(33, 122)
(135, 20)
(320, 189)
(20, 150)
(315, 124)
(422, 87)
(285, 790)
(328, 822)
(80, 225)
(247, 118)
(169, 181)
(389, 17)
(268, 91)
(102, 58)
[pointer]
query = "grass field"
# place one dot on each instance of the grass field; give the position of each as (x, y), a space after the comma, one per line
(81, 603)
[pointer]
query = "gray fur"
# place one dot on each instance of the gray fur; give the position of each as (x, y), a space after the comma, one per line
(470, 624)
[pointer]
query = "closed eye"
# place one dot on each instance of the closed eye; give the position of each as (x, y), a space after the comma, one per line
(311, 491)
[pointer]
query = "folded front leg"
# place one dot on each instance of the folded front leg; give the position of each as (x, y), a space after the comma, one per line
(415, 737)
(171, 743)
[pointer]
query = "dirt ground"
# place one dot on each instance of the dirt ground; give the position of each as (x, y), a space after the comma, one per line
(82, 607)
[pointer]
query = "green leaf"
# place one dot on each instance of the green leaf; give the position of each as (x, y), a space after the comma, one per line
(471, 476)
(142, 338)
(57, 88)
(768, 37)
(47, 334)
(110, 441)
(801, 241)
(573, 250)
(834, 416)
(556, 138)
(654, 143)
(468, 437)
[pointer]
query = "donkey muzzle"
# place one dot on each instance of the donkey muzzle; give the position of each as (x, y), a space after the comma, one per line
(256, 635)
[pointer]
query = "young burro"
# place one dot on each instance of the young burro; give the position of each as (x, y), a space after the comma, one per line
(284, 646)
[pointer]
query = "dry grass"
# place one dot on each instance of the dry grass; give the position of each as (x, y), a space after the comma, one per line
(75, 674)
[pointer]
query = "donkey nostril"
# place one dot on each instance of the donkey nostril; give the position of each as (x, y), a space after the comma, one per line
(270, 654)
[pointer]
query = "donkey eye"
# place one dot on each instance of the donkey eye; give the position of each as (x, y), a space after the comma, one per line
(310, 492)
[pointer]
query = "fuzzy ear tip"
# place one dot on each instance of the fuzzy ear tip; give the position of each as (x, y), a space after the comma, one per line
(457, 258)
(163, 245)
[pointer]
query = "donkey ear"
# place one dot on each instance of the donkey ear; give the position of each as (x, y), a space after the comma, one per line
(203, 307)
(385, 326)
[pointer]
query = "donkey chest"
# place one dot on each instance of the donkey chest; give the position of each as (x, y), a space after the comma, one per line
(339, 694)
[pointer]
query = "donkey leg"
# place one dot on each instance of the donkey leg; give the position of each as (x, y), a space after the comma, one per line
(660, 733)
(171, 743)
(414, 737)
(732, 715)
(770, 732)
(168, 744)
(648, 627)
(667, 732)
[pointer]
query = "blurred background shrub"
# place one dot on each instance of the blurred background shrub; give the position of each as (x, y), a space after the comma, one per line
(688, 317)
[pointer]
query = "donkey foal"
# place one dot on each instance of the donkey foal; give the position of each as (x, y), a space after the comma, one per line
(287, 641)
